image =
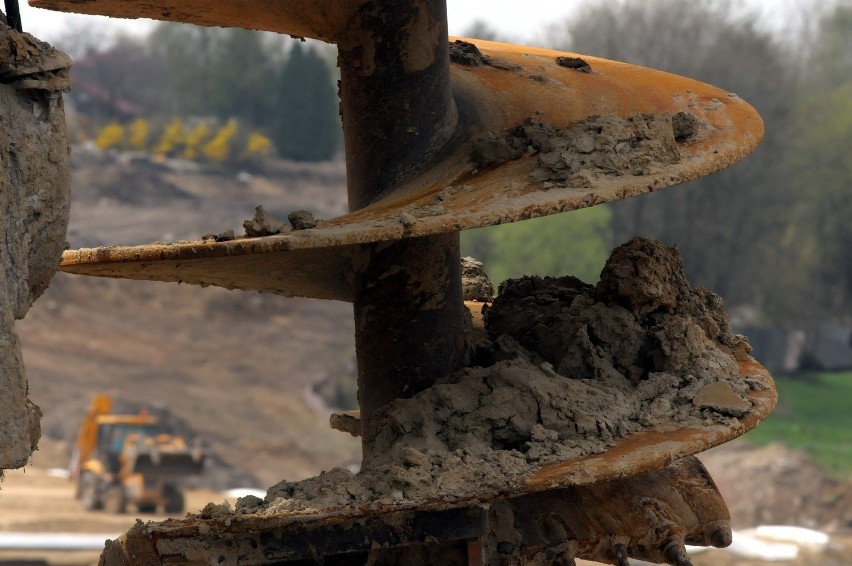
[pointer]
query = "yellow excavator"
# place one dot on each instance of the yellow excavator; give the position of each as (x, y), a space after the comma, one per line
(125, 459)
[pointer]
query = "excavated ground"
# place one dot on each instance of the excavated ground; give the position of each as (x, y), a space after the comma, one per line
(567, 369)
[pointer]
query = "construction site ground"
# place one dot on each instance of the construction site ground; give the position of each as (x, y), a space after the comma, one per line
(36, 501)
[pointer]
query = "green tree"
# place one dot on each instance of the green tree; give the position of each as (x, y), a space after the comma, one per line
(243, 77)
(480, 29)
(830, 63)
(187, 57)
(820, 171)
(224, 73)
(306, 125)
(574, 243)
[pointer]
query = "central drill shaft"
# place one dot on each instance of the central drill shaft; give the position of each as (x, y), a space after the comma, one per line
(398, 113)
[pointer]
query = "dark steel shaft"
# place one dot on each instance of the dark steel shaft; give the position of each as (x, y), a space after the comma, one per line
(13, 15)
(408, 323)
(398, 112)
(395, 94)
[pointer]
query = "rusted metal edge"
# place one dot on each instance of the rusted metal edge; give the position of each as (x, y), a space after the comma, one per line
(238, 540)
(593, 521)
(453, 194)
(319, 19)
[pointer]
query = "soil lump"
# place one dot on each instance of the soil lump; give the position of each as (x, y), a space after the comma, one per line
(575, 63)
(263, 224)
(568, 369)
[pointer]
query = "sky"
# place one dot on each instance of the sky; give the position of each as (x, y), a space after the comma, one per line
(520, 21)
(511, 18)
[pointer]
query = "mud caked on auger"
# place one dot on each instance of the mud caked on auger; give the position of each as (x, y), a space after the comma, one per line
(557, 426)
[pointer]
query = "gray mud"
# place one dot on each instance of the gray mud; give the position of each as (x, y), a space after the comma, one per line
(468, 54)
(575, 63)
(476, 286)
(567, 370)
(264, 224)
(597, 146)
(302, 220)
(35, 185)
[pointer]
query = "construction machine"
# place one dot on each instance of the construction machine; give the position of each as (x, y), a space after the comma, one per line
(126, 459)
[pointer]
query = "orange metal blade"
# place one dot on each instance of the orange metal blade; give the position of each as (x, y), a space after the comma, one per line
(453, 193)
(318, 19)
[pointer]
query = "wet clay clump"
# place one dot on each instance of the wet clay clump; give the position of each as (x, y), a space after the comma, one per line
(468, 54)
(476, 285)
(597, 146)
(576, 63)
(263, 224)
(567, 369)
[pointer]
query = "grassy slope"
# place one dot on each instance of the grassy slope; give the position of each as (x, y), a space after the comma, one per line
(814, 413)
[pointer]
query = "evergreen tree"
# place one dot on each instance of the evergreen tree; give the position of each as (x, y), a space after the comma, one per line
(306, 126)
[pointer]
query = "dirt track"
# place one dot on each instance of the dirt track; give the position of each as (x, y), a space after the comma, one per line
(32, 500)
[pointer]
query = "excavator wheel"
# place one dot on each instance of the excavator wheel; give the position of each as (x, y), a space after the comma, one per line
(89, 491)
(174, 500)
(114, 499)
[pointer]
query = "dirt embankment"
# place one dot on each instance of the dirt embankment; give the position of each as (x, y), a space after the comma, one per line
(234, 365)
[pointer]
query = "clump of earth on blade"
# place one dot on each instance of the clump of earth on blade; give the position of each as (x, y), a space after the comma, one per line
(567, 369)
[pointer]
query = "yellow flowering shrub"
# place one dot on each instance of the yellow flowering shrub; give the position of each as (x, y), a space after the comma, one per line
(193, 141)
(219, 148)
(173, 136)
(258, 146)
(110, 136)
(138, 132)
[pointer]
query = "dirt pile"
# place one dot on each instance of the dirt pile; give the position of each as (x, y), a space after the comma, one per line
(35, 185)
(568, 369)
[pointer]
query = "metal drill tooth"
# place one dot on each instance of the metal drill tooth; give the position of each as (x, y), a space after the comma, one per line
(675, 553)
(722, 537)
(621, 558)
(554, 531)
(561, 554)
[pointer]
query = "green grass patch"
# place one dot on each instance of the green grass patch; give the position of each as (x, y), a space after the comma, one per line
(814, 414)
(576, 243)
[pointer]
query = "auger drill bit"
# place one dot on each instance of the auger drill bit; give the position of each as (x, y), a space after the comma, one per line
(441, 136)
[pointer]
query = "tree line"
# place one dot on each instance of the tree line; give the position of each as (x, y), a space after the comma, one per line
(278, 86)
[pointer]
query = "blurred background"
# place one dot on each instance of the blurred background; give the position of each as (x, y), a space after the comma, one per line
(179, 131)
